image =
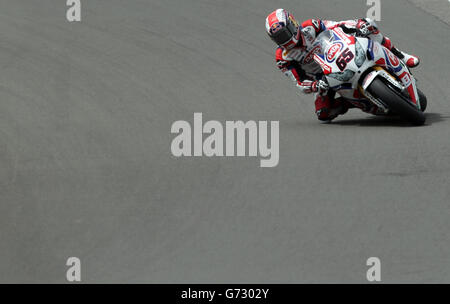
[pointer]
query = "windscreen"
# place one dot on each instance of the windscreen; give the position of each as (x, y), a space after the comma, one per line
(325, 39)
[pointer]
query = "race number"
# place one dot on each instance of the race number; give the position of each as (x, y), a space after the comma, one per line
(344, 59)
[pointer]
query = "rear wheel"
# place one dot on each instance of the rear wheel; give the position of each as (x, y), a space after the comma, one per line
(396, 102)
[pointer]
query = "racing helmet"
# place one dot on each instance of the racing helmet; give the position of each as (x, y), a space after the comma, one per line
(283, 29)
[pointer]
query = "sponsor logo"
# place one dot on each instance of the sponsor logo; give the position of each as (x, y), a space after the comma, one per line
(325, 67)
(275, 27)
(406, 79)
(310, 56)
(340, 33)
(294, 54)
(393, 59)
(333, 51)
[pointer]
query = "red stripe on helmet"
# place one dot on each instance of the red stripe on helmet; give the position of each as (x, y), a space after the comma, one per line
(272, 18)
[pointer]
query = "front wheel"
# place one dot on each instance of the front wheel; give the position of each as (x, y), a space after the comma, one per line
(396, 102)
(423, 100)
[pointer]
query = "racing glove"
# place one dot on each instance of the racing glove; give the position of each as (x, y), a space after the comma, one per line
(309, 86)
(365, 27)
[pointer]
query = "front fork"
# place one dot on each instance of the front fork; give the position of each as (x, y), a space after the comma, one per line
(402, 72)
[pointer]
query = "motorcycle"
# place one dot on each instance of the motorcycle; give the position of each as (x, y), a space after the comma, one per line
(366, 73)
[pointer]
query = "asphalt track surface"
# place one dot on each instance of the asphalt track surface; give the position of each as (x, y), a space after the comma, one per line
(86, 169)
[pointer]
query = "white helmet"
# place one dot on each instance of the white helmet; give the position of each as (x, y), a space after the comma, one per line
(283, 29)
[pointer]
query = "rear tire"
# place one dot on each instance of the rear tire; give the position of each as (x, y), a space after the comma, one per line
(396, 102)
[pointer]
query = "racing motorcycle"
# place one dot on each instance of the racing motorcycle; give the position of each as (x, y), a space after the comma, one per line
(363, 72)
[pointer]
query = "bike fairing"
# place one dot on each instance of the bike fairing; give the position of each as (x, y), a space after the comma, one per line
(296, 62)
(368, 67)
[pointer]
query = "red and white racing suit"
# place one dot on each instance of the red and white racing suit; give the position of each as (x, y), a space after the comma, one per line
(299, 65)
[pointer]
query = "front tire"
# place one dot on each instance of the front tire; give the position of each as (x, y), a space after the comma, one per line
(423, 100)
(396, 102)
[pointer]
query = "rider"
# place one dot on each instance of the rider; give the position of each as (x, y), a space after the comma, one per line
(295, 55)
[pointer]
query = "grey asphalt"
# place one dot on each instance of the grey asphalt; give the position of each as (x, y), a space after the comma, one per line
(86, 168)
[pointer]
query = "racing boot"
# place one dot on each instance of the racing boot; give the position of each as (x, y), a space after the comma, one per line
(328, 108)
(411, 61)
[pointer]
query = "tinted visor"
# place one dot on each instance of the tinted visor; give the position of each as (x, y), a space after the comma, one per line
(283, 35)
